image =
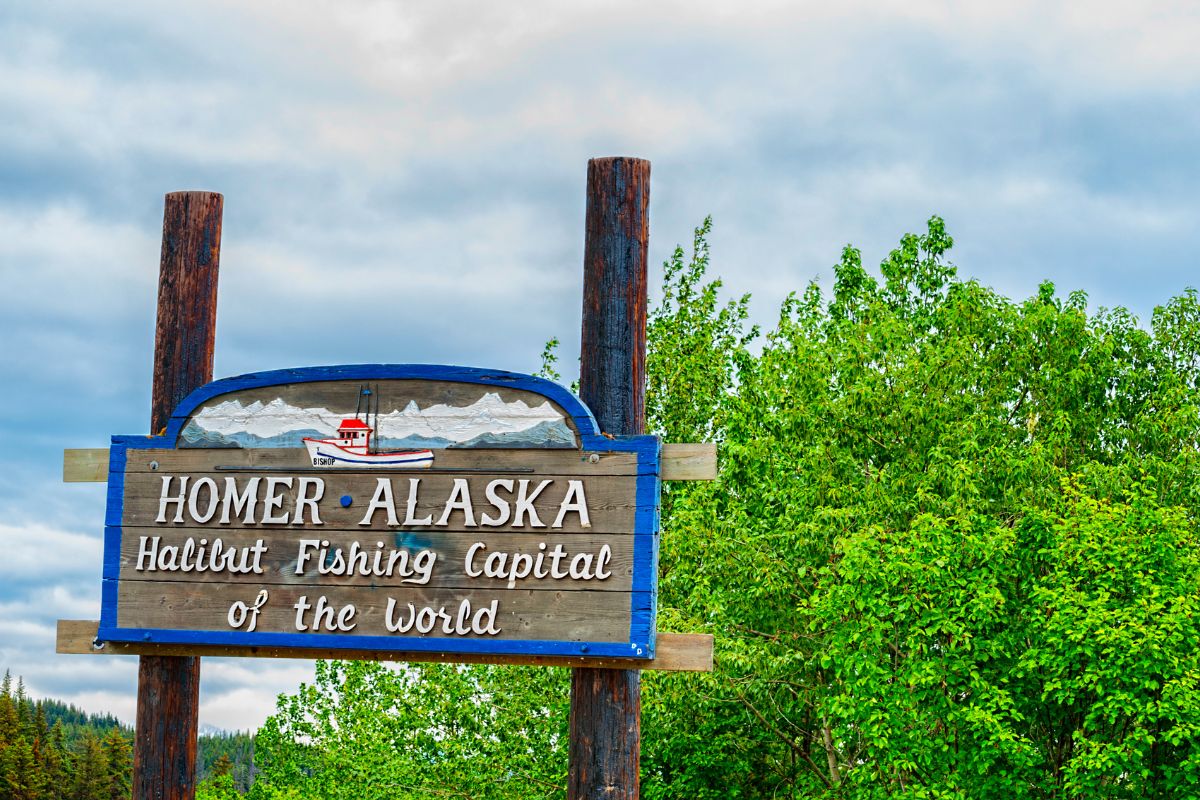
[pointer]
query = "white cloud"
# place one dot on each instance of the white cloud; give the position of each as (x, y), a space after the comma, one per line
(1101, 47)
(38, 551)
(244, 709)
(239, 694)
(96, 266)
(121, 704)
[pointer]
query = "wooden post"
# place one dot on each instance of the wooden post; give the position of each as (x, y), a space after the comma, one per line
(605, 725)
(168, 705)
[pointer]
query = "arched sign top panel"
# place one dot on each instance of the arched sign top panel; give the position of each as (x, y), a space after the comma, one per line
(406, 406)
(389, 507)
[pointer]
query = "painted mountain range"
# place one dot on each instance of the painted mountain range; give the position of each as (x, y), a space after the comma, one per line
(488, 422)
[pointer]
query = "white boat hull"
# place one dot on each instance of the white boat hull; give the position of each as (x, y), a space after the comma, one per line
(325, 453)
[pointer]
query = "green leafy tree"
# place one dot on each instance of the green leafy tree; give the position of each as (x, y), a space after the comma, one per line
(950, 554)
(549, 368)
(695, 346)
(366, 730)
(885, 461)
(219, 787)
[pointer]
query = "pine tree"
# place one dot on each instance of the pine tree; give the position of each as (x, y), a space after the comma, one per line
(118, 753)
(24, 708)
(91, 770)
(222, 766)
(39, 784)
(9, 721)
(8, 770)
(22, 778)
(41, 729)
(57, 764)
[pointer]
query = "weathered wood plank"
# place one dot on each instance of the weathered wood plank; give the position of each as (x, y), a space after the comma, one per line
(443, 565)
(520, 614)
(680, 462)
(88, 465)
(550, 462)
(673, 652)
(610, 501)
(689, 462)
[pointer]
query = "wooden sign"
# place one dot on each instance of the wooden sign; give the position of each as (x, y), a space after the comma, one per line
(389, 507)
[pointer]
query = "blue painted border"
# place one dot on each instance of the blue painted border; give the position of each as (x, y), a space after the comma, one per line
(643, 598)
(330, 641)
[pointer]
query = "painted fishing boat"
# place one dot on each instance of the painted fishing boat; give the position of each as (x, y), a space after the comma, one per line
(357, 444)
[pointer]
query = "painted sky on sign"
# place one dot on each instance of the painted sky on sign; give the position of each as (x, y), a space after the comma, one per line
(425, 164)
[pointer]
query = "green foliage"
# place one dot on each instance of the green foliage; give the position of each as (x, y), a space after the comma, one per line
(368, 730)
(892, 554)
(1116, 646)
(118, 759)
(549, 369)
(91, 770)
(222, 767)
(227, 754)
(218, 787)
(695, 345)
(74, 720)
(951, 553)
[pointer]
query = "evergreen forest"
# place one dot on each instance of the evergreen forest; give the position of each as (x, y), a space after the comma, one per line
(50, 750)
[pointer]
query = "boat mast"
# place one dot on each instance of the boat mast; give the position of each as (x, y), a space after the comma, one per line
(363, 391)
(375, 427)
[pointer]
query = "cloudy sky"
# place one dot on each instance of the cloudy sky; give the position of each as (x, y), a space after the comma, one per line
(433, 156)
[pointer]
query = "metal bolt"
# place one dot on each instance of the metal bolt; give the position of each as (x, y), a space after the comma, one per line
(153, 465)
(594, 458)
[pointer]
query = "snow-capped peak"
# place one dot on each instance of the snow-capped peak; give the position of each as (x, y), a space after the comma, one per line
(489, 414)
